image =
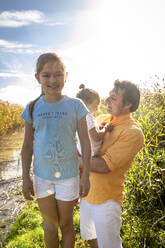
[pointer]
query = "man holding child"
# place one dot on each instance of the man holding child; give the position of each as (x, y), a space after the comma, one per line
(100, 210)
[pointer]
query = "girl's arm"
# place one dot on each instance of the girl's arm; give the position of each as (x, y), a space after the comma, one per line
(26, 155)
(86, 156)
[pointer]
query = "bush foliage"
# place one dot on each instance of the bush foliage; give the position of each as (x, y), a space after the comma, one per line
(144, 203)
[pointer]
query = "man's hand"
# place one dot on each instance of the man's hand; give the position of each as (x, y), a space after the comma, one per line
(27, 189)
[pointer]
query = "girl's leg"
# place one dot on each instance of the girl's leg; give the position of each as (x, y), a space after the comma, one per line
(48, 208)
(65, 212)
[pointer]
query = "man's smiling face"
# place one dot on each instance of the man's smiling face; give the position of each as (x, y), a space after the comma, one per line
(115, 103)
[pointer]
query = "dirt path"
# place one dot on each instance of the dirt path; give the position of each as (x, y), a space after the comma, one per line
(11, 204)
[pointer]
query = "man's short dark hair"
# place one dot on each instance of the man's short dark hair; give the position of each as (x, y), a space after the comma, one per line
(131, 93)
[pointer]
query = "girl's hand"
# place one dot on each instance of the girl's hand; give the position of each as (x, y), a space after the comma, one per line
(84, 185)
(27, 189)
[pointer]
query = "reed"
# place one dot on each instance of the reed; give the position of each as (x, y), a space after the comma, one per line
(10, 117)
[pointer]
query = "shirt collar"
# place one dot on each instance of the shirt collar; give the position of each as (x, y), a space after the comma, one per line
(120, 119)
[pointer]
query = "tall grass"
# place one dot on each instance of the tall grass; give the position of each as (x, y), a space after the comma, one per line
(9, 117)
(27, 231)
(144, 202)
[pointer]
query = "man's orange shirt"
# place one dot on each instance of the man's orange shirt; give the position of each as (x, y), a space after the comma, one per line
(118, 150)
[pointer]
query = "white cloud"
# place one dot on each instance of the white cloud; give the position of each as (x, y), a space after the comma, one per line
(8, 44)
(20, 18)
(6, 74)
(16, 74)
(54, 23)
(18, 48)
(22, 51)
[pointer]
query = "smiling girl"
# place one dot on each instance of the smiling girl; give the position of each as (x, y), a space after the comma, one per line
(51, 122)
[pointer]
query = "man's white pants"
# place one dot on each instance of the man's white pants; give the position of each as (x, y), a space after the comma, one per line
(101, 221)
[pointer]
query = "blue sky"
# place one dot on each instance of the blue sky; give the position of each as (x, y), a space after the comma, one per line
(99, 41)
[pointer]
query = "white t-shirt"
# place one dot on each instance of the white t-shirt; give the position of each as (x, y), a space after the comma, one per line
(91, 123)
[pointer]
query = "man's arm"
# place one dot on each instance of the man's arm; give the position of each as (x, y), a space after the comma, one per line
(98, 165)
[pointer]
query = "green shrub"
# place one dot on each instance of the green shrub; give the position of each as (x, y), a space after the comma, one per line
(144, 202)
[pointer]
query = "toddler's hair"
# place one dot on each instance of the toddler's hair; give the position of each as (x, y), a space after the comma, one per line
(87, 95)
(41, 61)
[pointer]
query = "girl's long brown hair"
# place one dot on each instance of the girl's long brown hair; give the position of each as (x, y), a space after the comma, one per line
(42, 60)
